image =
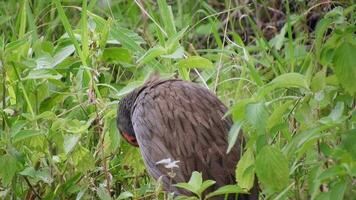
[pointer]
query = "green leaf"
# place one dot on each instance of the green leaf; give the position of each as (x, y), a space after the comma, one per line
(279, 39)
(167, 17)
(127, 40)
(194, 184)
(331, 172)
(348, 142)
(277, 116)
(62, 54)
(128, 88)
(83, 159)
(125, 195)
(245, 176)
(206, 184)
(195, 180)
(318, 82)
(238, 110)
(178, 53)
(335, 115)
(337, 192)
(25, 134)
(345, 66)
(103, 194)
(173, 42)
(41, 174)
(195, 62)
(186, 186)
(9, 167)
(257, 115)
(233, 135)
(320, 30)
(227, 189)
(117, 54)
(152, 54)
(288, 80)
(272, 169)
(43, 74)
(69, 142)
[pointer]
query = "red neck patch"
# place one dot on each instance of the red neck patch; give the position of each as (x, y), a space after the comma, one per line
(130, 139)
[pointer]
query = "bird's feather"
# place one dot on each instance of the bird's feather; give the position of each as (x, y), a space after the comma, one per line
(184, 121)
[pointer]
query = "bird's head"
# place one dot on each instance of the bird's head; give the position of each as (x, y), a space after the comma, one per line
(123, 121)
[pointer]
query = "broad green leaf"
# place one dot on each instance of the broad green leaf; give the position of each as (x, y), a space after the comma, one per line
(83, 159)
(279, 39)
(303, 140)
(9, 167)
(152, 54)
(277, 116)
(332, 172)
(69, 142)
(238, 110)
(178, 53)
(16, 44)
(103, 194)
(335, 115)
(173, 42)
(345, 66)
(288, 80)
(206, 184)
(46, 115)
(125, 195)
(313, 182)
(195, 180)
(41, 174)
(112, 138)
(233, 135)
(117, 54)
(128, 88)
(257, 115)
(227, 189)
(76, 126)
(51, 102)
(194, 183)
(320, 30)
(43, 74)
(272, 169)
(348, 142)
(337, 191)
(244, 175)
(186, 186)
(44, 61)
(126, 39)
(318, 81)
(25, 134)
(62, 54)
(195, 62)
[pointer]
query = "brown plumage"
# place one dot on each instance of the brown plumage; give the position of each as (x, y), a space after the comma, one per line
(182, 121)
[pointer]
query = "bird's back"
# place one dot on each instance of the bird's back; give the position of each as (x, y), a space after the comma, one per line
(183, 121)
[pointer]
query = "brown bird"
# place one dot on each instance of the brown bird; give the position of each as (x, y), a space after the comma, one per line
(182, 121)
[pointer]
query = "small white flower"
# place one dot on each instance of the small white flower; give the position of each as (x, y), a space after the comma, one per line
(164, 161)
(168, 163)
(172, 165)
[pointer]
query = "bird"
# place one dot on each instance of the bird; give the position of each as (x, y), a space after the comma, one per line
(181, 121)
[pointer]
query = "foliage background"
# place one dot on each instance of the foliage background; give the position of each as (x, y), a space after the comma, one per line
(285, 68)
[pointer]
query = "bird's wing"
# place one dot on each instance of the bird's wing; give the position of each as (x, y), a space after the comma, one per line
(184, 121)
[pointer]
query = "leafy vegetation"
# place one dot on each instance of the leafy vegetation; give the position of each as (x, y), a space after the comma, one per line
(286, 69)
